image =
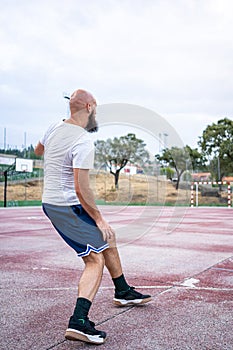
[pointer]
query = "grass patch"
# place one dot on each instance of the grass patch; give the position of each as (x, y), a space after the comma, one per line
(21, 203)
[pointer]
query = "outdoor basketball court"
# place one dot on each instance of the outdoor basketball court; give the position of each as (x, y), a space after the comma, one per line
(182, 256)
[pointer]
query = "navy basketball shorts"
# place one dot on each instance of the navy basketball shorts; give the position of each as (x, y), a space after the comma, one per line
(76, 227)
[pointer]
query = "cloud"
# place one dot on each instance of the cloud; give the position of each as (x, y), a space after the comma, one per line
(171, 56)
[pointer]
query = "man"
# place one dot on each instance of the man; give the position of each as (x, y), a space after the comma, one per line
(69, 203)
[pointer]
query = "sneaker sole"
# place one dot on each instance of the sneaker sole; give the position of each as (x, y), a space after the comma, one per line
(73, 334)
(123, 302)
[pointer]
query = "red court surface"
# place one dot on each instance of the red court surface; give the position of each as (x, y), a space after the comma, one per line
(182, 257)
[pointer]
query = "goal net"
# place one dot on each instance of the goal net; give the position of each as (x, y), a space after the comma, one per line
(211, 193)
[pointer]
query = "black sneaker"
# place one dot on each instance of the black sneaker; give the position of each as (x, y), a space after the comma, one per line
(130, 297)
(84, 330)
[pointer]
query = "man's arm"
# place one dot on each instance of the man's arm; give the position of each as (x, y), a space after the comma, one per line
(87, 200)
(39, 149)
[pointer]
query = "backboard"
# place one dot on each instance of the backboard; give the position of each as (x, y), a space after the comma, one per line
(24, 165)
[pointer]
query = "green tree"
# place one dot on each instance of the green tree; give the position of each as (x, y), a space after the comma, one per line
(217, 142)
(198, 160)
(24, 153)
(168, 172)
(181, 159)
(117, 152)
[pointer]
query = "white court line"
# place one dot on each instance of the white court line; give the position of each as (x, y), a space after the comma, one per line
(167, 288)
(221, 269)
(75, 288)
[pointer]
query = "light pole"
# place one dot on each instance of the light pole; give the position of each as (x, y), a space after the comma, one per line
(165, 135)
(219, 171)
(25, 143)
(219, 174)
(4, 141)
(162, 141)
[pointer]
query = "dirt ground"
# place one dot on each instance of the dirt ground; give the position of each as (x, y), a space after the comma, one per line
(133, 189)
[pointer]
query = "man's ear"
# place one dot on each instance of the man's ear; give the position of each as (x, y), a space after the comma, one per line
(88, 107)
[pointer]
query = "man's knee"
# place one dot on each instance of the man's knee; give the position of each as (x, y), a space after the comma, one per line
(95, 258)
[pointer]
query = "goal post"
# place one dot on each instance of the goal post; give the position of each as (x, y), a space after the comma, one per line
(194, 190)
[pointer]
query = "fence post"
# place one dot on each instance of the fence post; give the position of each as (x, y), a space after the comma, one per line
(5, 188)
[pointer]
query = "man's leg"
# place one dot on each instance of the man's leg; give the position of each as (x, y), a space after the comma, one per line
(124, 294)
(91, 277)
(80, 328)
(113, 262)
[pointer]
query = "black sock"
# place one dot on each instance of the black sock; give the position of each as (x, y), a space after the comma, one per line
(81, 309)
(120, 283)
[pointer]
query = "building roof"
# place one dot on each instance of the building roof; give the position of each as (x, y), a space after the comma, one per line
(228, 178)
(201, 174)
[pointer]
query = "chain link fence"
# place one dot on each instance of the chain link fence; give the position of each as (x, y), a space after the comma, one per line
(139, 189)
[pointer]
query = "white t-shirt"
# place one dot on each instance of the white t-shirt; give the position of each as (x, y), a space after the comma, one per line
(66, 146)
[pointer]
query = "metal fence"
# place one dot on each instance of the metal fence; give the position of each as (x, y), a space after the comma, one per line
(139, 189)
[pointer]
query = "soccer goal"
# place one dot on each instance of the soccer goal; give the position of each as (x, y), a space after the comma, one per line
(211, 189)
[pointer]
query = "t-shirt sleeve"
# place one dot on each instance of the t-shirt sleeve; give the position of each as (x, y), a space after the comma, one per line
(83, 155)
(47, 133)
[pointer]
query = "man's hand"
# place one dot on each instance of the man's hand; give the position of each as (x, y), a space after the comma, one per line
(39, 149)
(107, 231)
(86, 198)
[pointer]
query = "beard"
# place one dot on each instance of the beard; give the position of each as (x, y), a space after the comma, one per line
(92, 125)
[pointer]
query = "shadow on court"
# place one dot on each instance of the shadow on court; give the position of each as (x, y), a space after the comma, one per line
(182, 257)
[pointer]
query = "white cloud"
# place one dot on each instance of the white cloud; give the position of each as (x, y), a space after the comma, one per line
(171, 56)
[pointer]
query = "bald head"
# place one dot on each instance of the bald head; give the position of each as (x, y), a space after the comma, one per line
(80, 99)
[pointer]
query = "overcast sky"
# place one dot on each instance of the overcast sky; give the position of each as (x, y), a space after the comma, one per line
(174, 57)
